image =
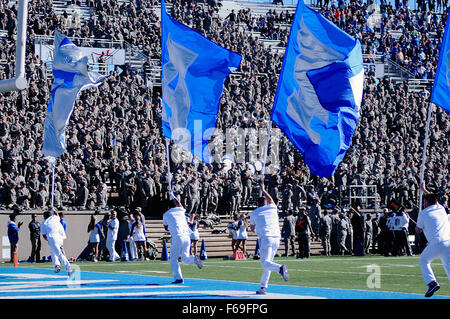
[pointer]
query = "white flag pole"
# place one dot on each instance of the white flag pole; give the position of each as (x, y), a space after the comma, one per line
(263, 172)
(168, 166)
(52, 161)
(424, 154)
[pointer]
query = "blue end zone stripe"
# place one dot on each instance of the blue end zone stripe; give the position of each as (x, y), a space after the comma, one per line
(44, 283)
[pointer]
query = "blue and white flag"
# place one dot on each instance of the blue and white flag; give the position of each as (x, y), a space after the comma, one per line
(194, 70)
(70, 77)
(319, 93)
(441, 88)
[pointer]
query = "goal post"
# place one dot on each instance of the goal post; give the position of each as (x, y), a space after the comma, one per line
(19, 82)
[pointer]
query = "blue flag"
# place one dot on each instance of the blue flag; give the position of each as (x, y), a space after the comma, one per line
(70, 77)
(441, 88)
(319, 93)
(194, 70)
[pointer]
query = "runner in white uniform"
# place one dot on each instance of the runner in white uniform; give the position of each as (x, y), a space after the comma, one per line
(174, 221)
(53, 231)
(264, 220)
(434, 222)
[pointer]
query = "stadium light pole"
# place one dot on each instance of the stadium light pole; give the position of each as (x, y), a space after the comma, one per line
(19, 82)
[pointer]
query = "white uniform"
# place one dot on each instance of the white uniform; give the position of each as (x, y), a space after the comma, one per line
(180, 242)
(241, 232)
(400, 222)
(436, 227)
(133, 248)
(235, 230)
(54, 231)
(138, 233)
(111, 239)
(195, 235)
(94, 235)
(390, 221)
(265, 220)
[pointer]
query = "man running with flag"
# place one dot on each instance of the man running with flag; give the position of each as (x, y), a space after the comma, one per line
(264, 220)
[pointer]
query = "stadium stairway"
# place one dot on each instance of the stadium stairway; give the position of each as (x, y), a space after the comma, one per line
(83, 11)
(217, 242)
(257, 8)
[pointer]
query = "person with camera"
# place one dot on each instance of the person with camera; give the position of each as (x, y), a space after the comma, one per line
(400, 225)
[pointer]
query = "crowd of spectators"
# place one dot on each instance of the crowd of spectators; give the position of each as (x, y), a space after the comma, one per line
(116, 152)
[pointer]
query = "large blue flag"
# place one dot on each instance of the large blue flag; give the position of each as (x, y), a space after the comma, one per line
(71, 75)
(193, 73)
(319, 91)
(441, 88)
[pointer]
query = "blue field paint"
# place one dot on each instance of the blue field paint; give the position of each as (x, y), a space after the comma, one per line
(44, 283)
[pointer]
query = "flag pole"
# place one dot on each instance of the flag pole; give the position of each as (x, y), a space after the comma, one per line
(52, 161)
(168, 165)
(424, 154)
(115, 150)
(263, 172)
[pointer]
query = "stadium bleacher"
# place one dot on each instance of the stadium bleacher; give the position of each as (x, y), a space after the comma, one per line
(143, 62)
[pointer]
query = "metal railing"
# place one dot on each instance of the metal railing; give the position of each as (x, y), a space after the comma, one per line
(133, 55)
(420, 84)
(392, 66)
(101, 68)
(92, 42)
(365, 196)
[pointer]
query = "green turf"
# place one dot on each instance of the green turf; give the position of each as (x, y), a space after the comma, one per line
(398, 274)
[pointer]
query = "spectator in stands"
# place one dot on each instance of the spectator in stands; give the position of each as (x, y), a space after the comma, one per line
(126, 103)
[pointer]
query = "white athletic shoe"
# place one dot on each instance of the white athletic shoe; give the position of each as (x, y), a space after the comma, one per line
(198, 262)
(57, 269)
(284, 272)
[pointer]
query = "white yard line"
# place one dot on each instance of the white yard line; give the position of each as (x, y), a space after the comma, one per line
(28, 284)
(329, 271)
(223, 293)
(69, 288)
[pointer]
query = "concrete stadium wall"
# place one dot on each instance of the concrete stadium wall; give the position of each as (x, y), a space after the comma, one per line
(77, 235)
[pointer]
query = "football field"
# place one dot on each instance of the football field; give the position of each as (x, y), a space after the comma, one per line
(319, 277)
